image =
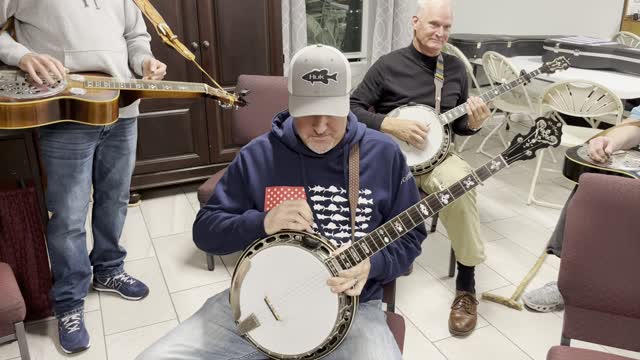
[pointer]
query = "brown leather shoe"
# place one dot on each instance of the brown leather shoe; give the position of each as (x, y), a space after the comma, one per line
(464, 314)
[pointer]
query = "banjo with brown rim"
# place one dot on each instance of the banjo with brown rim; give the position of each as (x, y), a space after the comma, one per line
(279, 296)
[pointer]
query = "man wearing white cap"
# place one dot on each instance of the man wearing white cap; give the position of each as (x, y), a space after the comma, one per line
(305, 156)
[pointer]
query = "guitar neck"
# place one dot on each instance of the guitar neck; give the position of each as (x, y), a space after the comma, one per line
(461, 110)
(415, 215)
(106, 83)
(153, 88)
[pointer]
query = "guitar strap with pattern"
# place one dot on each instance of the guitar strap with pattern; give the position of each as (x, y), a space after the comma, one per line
(354, 185)
(438, 79)
(163, 30)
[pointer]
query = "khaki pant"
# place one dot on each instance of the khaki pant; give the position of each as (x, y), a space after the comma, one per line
(461, 218)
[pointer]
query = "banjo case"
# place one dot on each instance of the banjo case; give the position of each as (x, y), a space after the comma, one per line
(475, 45)
(590, 53)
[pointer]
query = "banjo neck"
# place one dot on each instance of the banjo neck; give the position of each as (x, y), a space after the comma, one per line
(461, 110)
(415, 215)
(545, 133)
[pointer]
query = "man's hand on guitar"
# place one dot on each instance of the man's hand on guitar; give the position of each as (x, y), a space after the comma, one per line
(412, 132)
(478, 112)
(351, 281)
(40, 66)
(290, 215)
(601, 148)
(153, 69)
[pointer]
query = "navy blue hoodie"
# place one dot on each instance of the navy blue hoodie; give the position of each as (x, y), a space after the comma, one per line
(277, 165)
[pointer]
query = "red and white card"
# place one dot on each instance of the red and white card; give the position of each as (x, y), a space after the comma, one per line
(274, 195)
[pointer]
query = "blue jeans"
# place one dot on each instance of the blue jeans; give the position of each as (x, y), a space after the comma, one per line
(75, 157)
(557, 237)
(211, 334)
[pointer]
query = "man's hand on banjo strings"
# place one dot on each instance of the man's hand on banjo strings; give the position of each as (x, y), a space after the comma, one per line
(350, 281)
(289, 215)
(478, 112)
(410, 131)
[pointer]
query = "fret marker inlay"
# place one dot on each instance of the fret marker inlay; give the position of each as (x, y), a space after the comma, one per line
(383, 236)
(495, 165)
(468, 183)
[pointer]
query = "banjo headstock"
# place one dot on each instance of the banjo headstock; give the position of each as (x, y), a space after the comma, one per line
(544, 133)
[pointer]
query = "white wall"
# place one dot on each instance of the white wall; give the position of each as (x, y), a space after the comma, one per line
(598, 18)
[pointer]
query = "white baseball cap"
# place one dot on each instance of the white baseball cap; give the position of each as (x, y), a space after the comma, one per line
(319, 82)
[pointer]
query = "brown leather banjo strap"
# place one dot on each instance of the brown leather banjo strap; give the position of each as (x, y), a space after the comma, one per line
(354, 185)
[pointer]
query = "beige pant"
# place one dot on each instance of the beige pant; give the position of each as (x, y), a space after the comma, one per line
(461, 218)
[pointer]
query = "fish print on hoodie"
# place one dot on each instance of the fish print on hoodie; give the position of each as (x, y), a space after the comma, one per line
(330, 207)
(331, 211)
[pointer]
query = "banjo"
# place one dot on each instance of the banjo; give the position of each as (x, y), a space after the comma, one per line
(279, 297)
(422, 161)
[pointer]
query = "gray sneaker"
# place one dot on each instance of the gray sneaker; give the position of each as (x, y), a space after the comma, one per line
(544, 299)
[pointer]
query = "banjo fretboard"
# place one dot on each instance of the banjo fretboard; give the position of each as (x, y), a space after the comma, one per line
(461, 110)
(545, 132)
(415, 215)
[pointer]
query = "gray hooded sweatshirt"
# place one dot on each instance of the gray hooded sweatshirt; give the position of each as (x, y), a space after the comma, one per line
(107, 36)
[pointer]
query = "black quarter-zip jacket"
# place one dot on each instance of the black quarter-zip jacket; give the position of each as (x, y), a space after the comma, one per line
(406, 75)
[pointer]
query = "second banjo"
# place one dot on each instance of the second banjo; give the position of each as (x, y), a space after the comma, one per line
(422, 161)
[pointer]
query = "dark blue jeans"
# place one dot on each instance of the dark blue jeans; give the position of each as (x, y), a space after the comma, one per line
(77, 157)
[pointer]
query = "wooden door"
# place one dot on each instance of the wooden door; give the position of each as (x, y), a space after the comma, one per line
(238, 37)
(173, 132)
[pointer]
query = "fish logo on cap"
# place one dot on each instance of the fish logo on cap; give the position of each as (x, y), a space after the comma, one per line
(322, 76)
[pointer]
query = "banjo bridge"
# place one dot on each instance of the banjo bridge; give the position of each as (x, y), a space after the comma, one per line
(272, 309)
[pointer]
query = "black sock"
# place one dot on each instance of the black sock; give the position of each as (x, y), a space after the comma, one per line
(466, 279)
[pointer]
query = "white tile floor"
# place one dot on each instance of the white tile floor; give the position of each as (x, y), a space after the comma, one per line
(157, 236)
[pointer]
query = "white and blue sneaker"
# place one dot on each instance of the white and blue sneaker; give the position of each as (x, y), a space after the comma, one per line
(123, 284)
(72, 333)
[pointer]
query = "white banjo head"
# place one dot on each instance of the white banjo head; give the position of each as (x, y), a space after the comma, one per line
(437, 138)
(285, 289)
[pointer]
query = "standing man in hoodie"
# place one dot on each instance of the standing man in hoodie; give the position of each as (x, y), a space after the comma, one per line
(296, 177)
(54, 36)
(407, 75)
